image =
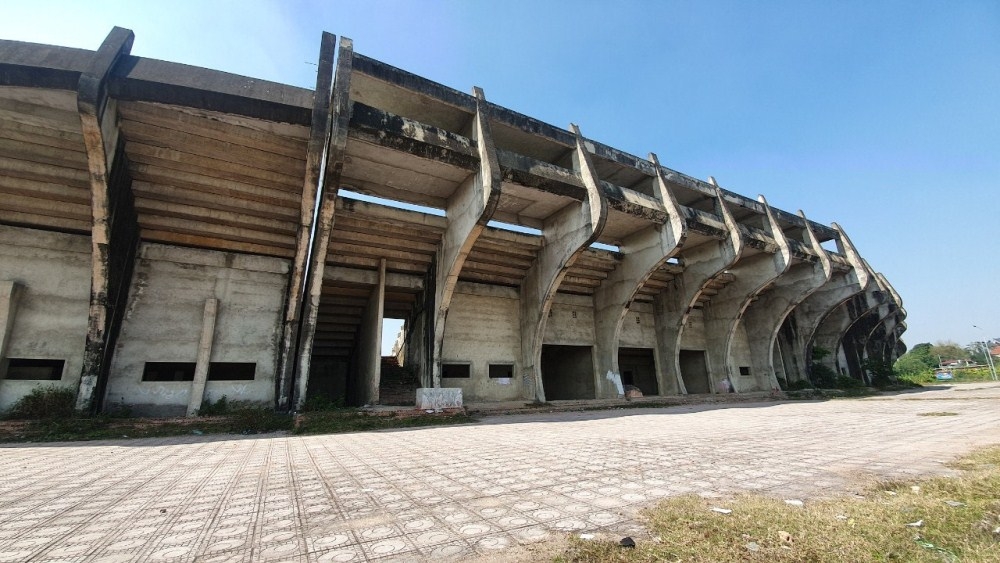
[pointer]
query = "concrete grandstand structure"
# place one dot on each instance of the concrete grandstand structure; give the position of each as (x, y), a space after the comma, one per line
(172, 234)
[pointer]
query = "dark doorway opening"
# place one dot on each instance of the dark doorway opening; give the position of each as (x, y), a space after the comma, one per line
(638, 368)
(568, 372)
(694, 371)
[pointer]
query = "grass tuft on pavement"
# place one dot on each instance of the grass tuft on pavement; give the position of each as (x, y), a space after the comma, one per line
(938, 519)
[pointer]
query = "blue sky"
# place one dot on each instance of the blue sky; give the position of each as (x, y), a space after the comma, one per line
(881, 116)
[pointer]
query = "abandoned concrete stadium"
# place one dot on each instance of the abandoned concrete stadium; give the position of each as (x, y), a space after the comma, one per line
(171, 234)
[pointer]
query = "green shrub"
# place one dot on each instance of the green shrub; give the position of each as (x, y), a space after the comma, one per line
(44, 403)
(823, 376)
(217, 408)
(800, 385)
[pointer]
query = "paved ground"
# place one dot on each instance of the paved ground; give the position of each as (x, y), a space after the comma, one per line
(458, 492)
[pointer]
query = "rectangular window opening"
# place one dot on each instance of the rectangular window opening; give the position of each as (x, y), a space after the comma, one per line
(168, 371)
(24, 369)
(456, 371)
(744, 370)
(184, 371)
(500, 371)
(232, 371)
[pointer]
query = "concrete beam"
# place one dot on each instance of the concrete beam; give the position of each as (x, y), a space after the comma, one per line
(764, 317)
(10, 296)
(316, 152)
(111, 210)
(753, 274)
(204, 359)
(565, 235)
(643, 254)
(469, 209)
(808, 315)
(341, 115)
(674, 304)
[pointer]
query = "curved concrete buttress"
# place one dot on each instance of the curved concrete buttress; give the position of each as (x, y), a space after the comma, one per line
(753, 274)
(673, 306)
(565, 234)
(469, 210)
(763, 318)
(644, 252)
(811, 312)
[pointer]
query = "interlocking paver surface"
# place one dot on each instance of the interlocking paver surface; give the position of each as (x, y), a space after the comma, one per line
(461, 491)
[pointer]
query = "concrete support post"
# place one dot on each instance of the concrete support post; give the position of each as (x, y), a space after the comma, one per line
(565, 234)
(100, 135)
(644, 253)
(764, 317)
(370, 350)
(204, 356)
(316, 152)
(469, 210)
(811, 312)
(330, 184)
(723, 314)
(10, 295)
(673, 305)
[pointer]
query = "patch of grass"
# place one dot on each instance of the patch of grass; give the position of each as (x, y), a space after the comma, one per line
(937, 413)
(939, 519)
(335, 422)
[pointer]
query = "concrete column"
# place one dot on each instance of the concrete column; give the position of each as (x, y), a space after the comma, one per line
(101, 137)
(808, 315)
(10, 295)
(764, 317)
(370, 348)
(723, 314)
(294, 396)
(469, 209)
(316, 152)
(644, 253)
(673, 305)
(204, 356)
(564, 234)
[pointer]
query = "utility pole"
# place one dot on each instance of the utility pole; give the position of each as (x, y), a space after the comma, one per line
(989, 356)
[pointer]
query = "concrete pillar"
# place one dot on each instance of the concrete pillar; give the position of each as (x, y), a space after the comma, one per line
(764, 317)
(753, 273)
(673, 305)
(294, 396)
(565, 234)
(316, 152)
(644, 253)
(10, 295)
(370, 346)
(204, 356)
(469, 210)
(808, 315)
(112, 211)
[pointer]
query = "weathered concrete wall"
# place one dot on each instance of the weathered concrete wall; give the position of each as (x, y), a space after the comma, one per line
(640, 334)
(51, 318)
(483, 328)
(571, 321)
(164, 318)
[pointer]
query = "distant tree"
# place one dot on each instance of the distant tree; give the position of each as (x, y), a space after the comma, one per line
(948, 350)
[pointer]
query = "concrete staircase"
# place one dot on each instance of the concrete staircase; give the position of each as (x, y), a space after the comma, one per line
(398, 385)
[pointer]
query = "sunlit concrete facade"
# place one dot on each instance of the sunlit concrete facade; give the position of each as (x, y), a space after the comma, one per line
(171, 234)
